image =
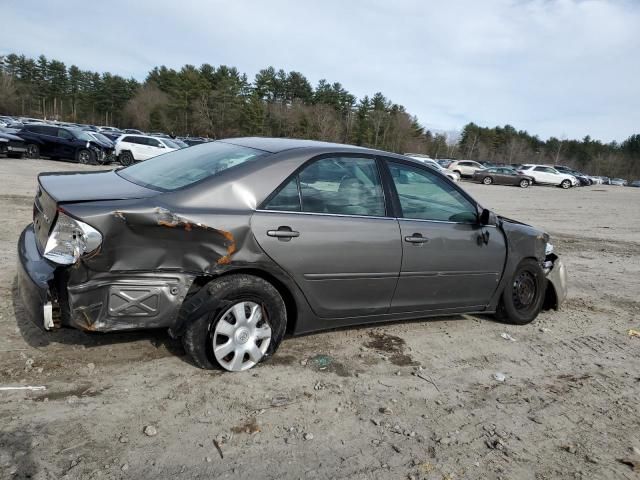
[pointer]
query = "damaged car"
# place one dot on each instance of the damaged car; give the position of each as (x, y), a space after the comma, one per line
(232, 244)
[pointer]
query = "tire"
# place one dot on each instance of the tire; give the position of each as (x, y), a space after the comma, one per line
(522, 298)
(487, 180)
(33, 150)
(524, 183)
(215, 308)
(126, 159)
(458, 172)
(85, 157)
(565, 184)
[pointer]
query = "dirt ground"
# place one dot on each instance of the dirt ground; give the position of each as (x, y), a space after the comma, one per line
(406, 400)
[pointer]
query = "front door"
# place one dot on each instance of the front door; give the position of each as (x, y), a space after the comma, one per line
(328, 228)
(449, 260)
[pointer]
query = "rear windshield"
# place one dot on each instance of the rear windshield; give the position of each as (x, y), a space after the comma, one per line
(185, 167)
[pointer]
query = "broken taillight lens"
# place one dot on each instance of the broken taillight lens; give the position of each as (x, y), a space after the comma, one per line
(70, 239)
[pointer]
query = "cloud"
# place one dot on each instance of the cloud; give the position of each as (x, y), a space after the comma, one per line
(564, 68)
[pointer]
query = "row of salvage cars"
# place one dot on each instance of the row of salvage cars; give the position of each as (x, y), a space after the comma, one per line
(232, 244)
(522, 175)
(86, 144)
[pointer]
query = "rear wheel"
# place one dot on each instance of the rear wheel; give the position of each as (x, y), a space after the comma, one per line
(524, 183)
(487, 180)
(566, 184)
(241, 322)
(33, 150)
(523, 296)
(126, 159)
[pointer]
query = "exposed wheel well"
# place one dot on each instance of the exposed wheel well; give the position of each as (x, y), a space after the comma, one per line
(287, 296)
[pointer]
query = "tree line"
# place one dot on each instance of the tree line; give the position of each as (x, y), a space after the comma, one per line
(223, 102)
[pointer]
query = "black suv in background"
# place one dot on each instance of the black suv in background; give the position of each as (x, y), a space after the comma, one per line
(58, 142)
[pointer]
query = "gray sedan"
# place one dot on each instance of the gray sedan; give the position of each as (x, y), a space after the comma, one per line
(231, 244)
(502, 176)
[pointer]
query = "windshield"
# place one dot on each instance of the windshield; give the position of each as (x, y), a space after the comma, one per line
(169, 143)
(83, 135)
(184, 167)
(101, 137)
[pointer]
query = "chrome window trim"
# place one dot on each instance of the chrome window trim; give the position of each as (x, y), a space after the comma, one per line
(260, 210)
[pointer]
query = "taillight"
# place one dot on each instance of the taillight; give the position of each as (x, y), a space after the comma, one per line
(70, 239)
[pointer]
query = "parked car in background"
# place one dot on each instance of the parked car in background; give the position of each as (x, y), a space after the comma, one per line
(618, 182)
(194, 140)
(12, 146)
(426, 160)
(546, 175)
(60, 142)
(317, 236)
(444, 162)
(502, 176)
(133, 130)
(635, 183)
(583, 179)
(136, 148)
(109, 129)
(465, 168)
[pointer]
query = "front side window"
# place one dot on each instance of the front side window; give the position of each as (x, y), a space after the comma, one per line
(181, 168)
(425, 196)
(152, 142)
(335, 185)
(64, 134)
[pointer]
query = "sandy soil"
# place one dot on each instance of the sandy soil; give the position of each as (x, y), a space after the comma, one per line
(405, 400)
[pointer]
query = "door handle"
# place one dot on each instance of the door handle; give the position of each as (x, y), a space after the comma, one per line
(283, 232)
(416, 238)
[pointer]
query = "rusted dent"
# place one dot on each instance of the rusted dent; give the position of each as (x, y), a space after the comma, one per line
(231, 247)
(168, 219)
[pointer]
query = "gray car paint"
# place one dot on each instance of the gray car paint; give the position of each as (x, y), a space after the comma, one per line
(158, 247)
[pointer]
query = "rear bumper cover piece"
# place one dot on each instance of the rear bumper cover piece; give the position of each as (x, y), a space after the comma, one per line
(105, 302)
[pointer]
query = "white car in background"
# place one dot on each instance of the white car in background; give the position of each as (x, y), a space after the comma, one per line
(465, 168)
(136, 148)
(429, 162)
(546, 175)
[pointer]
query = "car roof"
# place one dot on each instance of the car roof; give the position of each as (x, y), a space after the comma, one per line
(276, 145)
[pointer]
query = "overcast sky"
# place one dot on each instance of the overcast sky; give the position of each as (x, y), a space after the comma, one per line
(563, 68)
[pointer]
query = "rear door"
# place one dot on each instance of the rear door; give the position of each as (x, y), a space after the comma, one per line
(328, 228)
(449, 260)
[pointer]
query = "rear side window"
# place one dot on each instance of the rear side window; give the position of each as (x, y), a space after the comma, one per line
(335, 185)
(181, 168)
(287, 199)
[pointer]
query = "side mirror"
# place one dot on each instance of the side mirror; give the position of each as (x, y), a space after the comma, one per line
(487, 217)
(161, 146)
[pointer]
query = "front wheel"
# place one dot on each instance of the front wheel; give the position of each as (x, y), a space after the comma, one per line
(242, 321)
(523, 296)
(487, 180)
(524, 183)
(566, 184)
(85, 156)
(126, 159)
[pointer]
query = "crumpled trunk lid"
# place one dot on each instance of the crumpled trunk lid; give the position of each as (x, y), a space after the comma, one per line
(55, 189)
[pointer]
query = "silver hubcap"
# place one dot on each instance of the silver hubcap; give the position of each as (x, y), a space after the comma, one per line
(241, 337)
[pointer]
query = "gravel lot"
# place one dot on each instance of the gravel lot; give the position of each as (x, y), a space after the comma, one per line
(406, 400)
